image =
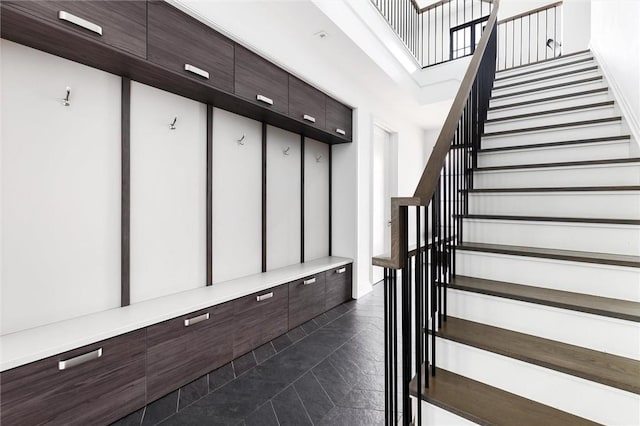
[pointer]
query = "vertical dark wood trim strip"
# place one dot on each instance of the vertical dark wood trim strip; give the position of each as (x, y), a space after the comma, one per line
(125, 194)
(330, 199)
(209, 194)
(264, 197)
(302, 199)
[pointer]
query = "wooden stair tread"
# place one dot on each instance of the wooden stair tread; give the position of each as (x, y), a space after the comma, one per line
(549, 60)
(553, 126)
(566, 64)
(550, 98)
(604, 306)
(540, 89)
(552, 144)
(547, 253)
(560, 164)
(547, 77)
(552, 219)
(487, 405)
(551, 111)
(602, 188)
(611, 370)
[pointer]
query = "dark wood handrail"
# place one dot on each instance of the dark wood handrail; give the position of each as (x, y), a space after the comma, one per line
(429, 179)
(530, 12)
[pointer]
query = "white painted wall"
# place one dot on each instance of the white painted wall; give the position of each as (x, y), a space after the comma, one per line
(60, 189)
(316, 199)
(237, 196)
(615, 41)
(168, 193)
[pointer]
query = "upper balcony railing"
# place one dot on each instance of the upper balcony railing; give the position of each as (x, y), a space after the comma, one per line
(450, 29)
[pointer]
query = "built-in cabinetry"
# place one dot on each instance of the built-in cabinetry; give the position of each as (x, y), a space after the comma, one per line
(104, 381)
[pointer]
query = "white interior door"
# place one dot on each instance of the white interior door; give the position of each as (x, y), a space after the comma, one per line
(381, 197)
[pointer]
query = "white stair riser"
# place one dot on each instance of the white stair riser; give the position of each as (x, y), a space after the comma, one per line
(539, 74)
(590, 151)
(532, 68)
(588, 278)
(497, 91)
(615, 239)
(556, 118)
(614, 174)
(432, 415)
(554, 135)
(611, 335)
(594, 204)
(549, 105)
(583, 398)
(541, 94)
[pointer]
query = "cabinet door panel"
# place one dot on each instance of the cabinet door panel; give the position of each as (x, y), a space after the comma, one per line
(187, 46)
(40, 392)
(306, 103)
(168, 193)
(122, 24)
(339, 119)
(178, 354)
(338, 285)
(257, 77)
(306, 299)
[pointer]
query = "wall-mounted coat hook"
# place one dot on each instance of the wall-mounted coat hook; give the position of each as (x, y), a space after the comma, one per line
(65, 101)
(318, 158)
(286, 151)
(172, 126)
(241, 140)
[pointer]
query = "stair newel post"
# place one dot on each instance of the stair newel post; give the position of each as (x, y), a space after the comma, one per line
(418, 308)
(391, 347)
(387, 350)
(406, 315)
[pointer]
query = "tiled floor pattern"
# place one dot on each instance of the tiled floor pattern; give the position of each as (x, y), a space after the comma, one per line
(328, 371)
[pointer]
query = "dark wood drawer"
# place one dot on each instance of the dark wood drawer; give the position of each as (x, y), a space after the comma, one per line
(178, 353)
(259, 318)
(338, 283)
(97, 390)
(338, 119)
(306, 103)
(121, 24)
(260, 81)
(306, 299)
(187, 46)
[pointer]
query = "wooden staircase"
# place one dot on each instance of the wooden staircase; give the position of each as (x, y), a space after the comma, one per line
(543, 324)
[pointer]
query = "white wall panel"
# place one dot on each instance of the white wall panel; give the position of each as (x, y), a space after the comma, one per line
(283, 198)
(237, 196)
(168, 193)
(316, 199)
(60, 189)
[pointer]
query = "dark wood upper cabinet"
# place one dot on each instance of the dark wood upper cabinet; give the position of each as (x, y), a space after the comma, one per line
(306, 103)
(306, 299)
(261, 82)
(259, 318)
(339, 119)
(121, 24)
(338, 282)
(95, 384)
(185, 45)
(182, 349)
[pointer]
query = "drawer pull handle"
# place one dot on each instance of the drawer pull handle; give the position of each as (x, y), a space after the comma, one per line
(341, 132)
(264, 99)
(197, 71)
(80, 359)
(195, 320)
(264, 296)
(309, 281)
(309, 118)
(76, 20)
(341, 271)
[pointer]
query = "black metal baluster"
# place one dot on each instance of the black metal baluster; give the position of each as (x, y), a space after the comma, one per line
(418, 315)
(387, 350)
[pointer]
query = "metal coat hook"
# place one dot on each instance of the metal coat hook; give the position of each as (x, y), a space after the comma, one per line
(241, 140)
(318, 158)
(172, 126)
(65, 101)
(286, 151)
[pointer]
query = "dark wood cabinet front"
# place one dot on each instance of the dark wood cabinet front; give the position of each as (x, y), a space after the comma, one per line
(306, 299)
(339, 120)
(95, 384)
(260, 317)
(306, 103)
(261, 82)
(121, 24)
(184, 45)
(182, 349)
(338, 286)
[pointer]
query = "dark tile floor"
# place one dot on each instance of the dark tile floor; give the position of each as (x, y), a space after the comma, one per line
(329, 371)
